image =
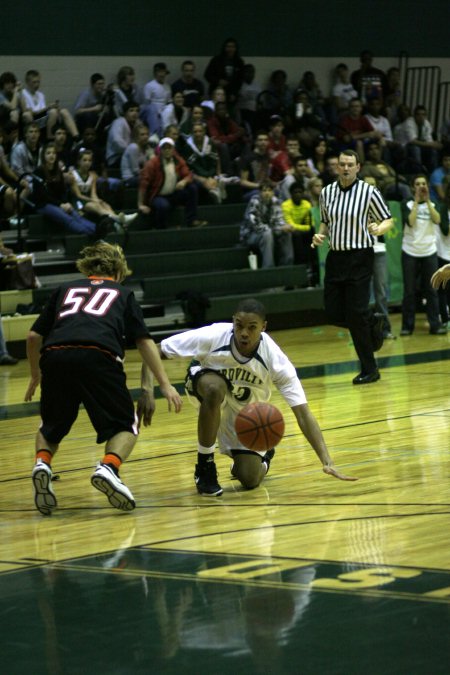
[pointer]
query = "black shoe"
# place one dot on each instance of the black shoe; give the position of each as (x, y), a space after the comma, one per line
(405, 331)
(8, 360)
(439, 331)
(367, 379)
(205, 477)
(267, 459)
(376, 331)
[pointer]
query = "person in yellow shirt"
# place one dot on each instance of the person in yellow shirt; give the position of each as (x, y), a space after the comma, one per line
(297, 214)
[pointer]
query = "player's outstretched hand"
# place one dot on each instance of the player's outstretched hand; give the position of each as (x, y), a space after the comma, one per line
(173, 397)
(332, 471)
(32, 386)
(145, 408)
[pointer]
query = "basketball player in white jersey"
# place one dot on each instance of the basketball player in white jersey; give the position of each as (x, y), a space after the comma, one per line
(234, 364)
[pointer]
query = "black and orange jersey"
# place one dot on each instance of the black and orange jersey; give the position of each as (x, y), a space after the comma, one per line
(93, 311)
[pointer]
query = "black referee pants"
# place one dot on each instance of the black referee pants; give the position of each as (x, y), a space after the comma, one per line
(347, 294)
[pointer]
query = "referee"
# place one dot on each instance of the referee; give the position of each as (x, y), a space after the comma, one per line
(352, 213)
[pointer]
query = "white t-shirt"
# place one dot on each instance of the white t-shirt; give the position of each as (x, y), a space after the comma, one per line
(251, 379)
(419, 241)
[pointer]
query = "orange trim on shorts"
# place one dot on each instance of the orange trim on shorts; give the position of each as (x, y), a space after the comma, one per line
(105, 351)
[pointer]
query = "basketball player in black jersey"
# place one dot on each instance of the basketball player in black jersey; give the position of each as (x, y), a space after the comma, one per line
(75, 349)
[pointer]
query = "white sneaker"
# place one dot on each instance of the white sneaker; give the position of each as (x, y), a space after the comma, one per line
(44, 497)
(129, 217)
(119, 496)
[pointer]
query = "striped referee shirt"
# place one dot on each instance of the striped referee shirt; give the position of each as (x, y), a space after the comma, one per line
(347, 212)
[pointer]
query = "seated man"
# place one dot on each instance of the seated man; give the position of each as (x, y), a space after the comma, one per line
(95, 105)
(10, 92)
(355, 130)
(167, 182)
(297, 214)
(284, 161)
(135, 156)
(226, 136)
(264, 230)
(35, 108)
(387, 181)
(416, 133)
(255, 167)
(298, 174)
(204, 163)
(157, 95)
(192, 89)
(25, 154)
(119, 134)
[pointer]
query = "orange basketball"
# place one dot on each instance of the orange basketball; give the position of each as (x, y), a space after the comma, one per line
(259, 426)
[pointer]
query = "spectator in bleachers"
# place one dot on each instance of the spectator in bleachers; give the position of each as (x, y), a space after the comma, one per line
(440, 177)
(421, 146)
(226, 136)
(331, 173)
(306, 122)
(297, 214)
(25, 154)
(284, 161)
(368, 80)
(264, 230)
(119, 134)
(157, 94)
(391, 185)
(10, 93)
(419, 256)
(175, 112)
(277, 139)
(166, 182)
(95, 105)
(209, 105)
(343, 90)
(392, 151)
(317, 162)
(204, 163)
(297, 174)
(393, 96)
(309, 84)
(8, 184)
(35, 109)
(193, 89)
(444, 132)
(173, 131)
(136, 155)
(90, 141)
(196, 116)
(63, 150)
(127, 90)
(281, 98)
(226, 70)
(51, 198)
(313, 190)
(255, 166)
(355, 130)
(83, 185)
(248, 96)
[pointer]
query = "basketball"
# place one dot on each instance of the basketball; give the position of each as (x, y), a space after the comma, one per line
(259, 426)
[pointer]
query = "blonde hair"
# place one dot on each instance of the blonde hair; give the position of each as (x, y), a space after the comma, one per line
(103, 260)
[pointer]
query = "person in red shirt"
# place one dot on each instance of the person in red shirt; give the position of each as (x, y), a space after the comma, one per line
(166, 181)
(226, 136)
(355, 130)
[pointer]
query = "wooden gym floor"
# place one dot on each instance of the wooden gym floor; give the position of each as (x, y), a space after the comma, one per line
(305, 575)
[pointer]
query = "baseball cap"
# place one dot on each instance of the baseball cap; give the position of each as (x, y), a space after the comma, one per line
(166, 141)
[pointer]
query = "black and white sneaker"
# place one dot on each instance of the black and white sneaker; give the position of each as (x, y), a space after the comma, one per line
(205, 477)
(119, 496)
(267, 459)
(44, 497)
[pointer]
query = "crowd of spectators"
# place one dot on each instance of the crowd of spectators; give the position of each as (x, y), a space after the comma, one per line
(188, 138)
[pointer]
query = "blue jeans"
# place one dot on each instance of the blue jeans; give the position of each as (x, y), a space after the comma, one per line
(162, 205)
(72, 221)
